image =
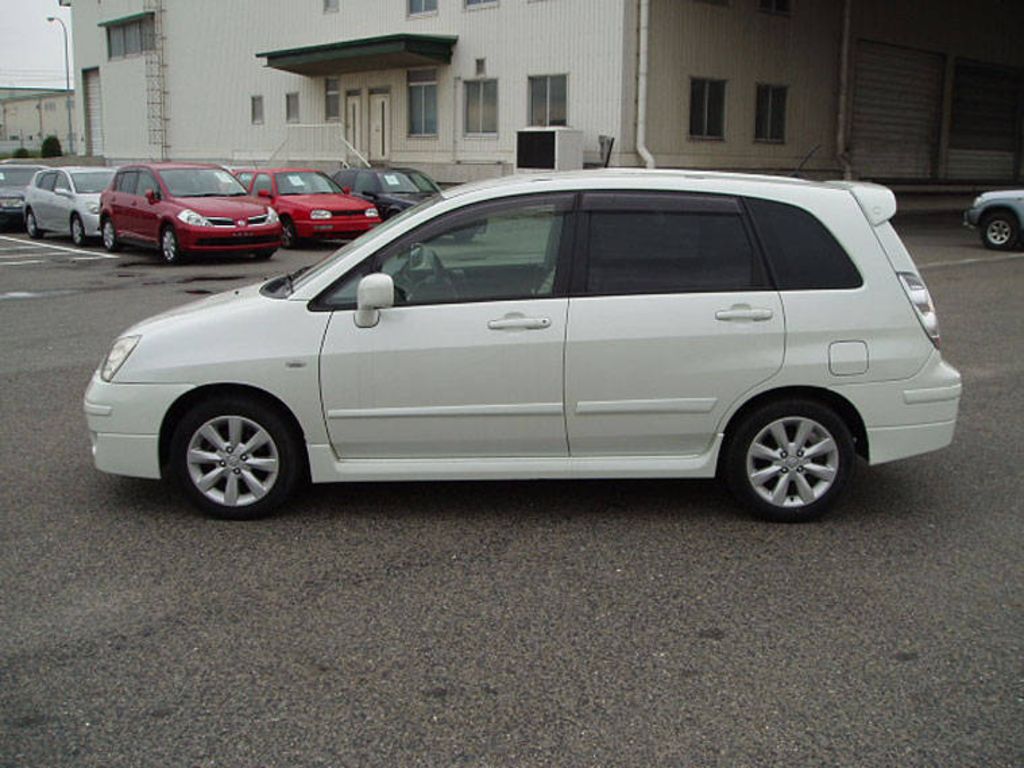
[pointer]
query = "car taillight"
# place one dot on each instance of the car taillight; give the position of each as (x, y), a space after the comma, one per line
(918, 294)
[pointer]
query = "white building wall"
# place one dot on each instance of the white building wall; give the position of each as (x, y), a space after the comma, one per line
(31, 119)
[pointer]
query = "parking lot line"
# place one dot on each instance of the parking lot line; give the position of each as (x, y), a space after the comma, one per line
(20, 263)
(976, 260)
(37, 244)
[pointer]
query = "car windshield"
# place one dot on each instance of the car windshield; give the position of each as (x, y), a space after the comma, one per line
(16, 177)
(202, 182)
(410, 182)
(305, 183)
(91, 182)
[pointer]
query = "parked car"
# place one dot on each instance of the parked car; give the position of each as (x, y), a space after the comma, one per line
(66, 200)
(607, 324)
(392, 190)
(312, 206)
(999, 218)
(184, 210)
(14, 180)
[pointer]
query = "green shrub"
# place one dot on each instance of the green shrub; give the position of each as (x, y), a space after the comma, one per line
(21, 152)
(51, 147)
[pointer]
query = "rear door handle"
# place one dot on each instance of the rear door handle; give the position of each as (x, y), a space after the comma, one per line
(744, 312)
(519, 324)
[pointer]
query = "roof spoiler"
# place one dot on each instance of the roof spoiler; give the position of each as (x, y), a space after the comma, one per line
(877, 202)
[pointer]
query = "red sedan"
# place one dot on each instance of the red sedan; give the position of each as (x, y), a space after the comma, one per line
(184, 209)
(312, 206)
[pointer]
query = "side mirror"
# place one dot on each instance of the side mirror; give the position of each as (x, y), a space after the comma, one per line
(264, 193)
(152, 196)
(347, 190)
(375, 292)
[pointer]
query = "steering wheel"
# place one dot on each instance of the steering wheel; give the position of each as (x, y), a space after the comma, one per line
(425, 277)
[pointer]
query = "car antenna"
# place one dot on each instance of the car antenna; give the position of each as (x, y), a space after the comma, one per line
(796, 174)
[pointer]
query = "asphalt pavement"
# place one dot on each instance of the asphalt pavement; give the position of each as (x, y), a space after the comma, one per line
(642, 623)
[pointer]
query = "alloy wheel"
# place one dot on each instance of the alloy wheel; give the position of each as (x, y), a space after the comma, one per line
(998, 232)
(792, 462)
(232, 461)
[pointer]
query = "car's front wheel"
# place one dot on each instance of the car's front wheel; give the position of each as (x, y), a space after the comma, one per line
(77, 230)
(170, 249)
(109, 233)
(31, 225)
(789, 460)
(1000, 231)
(235, 457)
(289, 237)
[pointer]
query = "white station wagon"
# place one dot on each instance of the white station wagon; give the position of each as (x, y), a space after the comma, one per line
(608, 324)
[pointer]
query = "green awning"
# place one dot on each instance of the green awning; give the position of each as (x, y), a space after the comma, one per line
(387, 52)
(126, 19)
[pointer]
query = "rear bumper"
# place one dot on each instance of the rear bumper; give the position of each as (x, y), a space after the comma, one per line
(344, 227)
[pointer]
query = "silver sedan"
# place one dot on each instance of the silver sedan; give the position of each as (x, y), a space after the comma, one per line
(66, 200)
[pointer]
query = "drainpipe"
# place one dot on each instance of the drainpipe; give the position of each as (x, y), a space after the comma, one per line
(842, 153)
(641, 86)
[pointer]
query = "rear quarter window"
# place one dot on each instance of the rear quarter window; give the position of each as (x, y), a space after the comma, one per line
(802, 253)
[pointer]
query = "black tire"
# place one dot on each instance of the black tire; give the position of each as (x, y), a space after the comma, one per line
(109, 233)
(286, 447)
(32, 226)
(1000, 231)
(289, 237)
(170, 248)
(804, 495)
(263, 255)
(77, 230)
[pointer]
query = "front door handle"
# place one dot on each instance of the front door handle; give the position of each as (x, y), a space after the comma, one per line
(519, 324)
(744, 312)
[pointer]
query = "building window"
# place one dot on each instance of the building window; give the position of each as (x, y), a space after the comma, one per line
(548, 100)
(482, 107)
(291, 107)
(422, 6)
(774, 6)
(332, 99)
(479, 3)
(707, 108)
(423, 102)
(130, 38)
(256, 110)
(770, 118)
(330, 6)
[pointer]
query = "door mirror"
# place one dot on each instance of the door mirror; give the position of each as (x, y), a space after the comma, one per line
(152, 196)
(375, 292)
(347, 190)
(264, 193)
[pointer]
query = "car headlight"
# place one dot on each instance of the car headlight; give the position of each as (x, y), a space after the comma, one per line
(193, 219)
(371, 213)
(272, 217)
(117, 355)
(11, 202)
(319, 213)
(93, 208)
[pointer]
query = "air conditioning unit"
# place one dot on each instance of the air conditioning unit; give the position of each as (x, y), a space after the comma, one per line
(549, 149)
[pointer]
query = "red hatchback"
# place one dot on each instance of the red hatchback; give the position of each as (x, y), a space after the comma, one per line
(311, 205)
(185, 209)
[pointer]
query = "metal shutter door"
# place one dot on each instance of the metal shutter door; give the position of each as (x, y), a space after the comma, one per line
(983, 133)
(93, 113)
(897, 111)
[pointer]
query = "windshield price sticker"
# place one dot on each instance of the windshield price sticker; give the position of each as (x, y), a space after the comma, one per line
(391, 180)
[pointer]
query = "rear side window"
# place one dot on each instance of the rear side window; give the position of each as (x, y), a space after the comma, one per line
(668, 244)
(803, 254)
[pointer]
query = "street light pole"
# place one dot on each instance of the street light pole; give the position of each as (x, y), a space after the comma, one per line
(67, 82)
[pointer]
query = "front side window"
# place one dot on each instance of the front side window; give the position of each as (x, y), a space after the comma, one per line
(366, 181)
(263, 182)
(306, 183)
(663, 244)
(332, 99)
(505, 251)
(422, 6)
(126, 182)
(482, 107)
(291, 107)
(201, 182)
(47, 181)
(256, 110)
(548, 100)
(146, 184)
(422, 102)
(770, 116)
(62, 184)
(707, 108)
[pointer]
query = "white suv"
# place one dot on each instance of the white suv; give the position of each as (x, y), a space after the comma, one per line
(615, 324)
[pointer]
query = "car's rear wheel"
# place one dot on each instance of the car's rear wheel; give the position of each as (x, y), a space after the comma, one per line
(289, 237)
(109, 233)
(31, 225)
(789, 461)
(236, 457)
(77, 230)
(170, 249)
(1000, 231)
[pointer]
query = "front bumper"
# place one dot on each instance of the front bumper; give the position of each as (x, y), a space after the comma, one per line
(91, 223)
(228, 239)
(12, 217)
(971, 217)
(124, 424)
(338, 228)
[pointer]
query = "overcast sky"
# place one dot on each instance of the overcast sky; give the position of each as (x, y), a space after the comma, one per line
(31, 49)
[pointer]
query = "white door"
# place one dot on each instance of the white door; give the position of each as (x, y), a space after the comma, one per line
(380, 126)
(672, 320)
(93, 113)
(353, 122)
(469, 361)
